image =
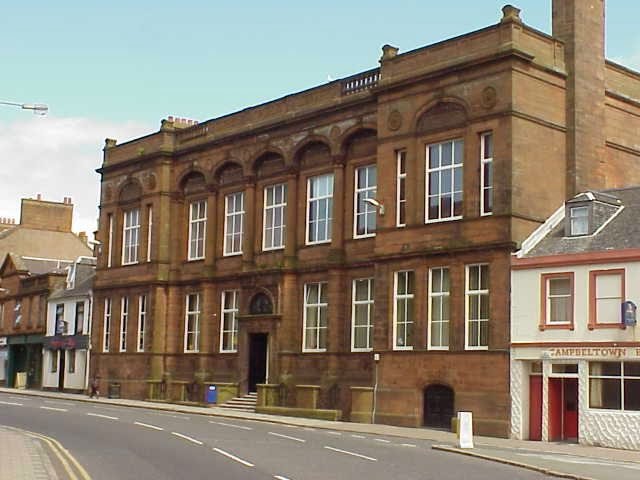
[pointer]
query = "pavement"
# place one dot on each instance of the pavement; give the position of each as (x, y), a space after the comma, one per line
(30, 459)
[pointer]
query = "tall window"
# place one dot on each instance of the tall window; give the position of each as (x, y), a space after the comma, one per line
(60, 323)
(54, 360)
(579, 220)
(17, 311)
(401, 185)
(1, 315)
(149, 231)
(557, 295)
(439, 309)
(192, 323)
(403, 292)
(362, 315)
(614, 385)
(486, 173)
(316, 307)
(364, 214)
(607, 291)
(444, 180)
(197, 227)
(319, 208)
(106, 331)
(71, 361)
(79, 318)
(130, 236)
(110, 241)
(229, 326)
(477, 307)
(142, 321)
(233, 223)
(275, 204)
(124, 318)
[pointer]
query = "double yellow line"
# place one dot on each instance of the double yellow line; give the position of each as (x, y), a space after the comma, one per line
(74, 470)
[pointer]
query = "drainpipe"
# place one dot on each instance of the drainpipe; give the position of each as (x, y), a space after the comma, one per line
(376, 359)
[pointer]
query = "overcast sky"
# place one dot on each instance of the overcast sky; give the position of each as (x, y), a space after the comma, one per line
(115, 69)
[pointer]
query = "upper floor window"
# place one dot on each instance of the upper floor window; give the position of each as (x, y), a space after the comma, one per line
(110, 241)
(192, 323)
(106, 329)
(61, 325)
(229, 321)
(79, 318)
(403, 293)
(197, 228)
(557, 300)
(477, 307)
(364, 215)
(319, 208)
(606, 292)
(17, 310)
(130, 236)
(233, 223)
(486, 173)
(149, 230)
(362, 315)
(401, 186)
(439, 308)
(275, 204)
(579, 220)
(316, 306)
(444, 180)
(1, 315)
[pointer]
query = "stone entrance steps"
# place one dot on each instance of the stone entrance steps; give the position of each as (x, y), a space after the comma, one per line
(242, 404)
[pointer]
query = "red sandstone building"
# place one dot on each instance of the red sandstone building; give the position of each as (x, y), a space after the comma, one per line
(347, 248)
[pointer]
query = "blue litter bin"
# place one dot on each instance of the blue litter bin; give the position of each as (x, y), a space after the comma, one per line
(211, 394)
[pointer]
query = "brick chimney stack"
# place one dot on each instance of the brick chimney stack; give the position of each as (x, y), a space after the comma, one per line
(44, 215)
(580, 25)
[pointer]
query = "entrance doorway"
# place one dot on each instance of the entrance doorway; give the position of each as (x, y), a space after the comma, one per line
(535, 407)
(257, 360)
(438, 406)
(563, 409)
(61, 367)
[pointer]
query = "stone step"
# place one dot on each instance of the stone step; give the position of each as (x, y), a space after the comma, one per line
(244, 404)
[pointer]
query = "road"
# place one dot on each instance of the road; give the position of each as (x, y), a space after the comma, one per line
(113, 442)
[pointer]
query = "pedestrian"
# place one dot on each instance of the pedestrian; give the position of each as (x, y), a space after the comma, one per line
(94, 387)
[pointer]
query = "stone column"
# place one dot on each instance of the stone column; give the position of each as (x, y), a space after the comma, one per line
(337, 231)
(210, 248)
(248, 239)
(291, 238)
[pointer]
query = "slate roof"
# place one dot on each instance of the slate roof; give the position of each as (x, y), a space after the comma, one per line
(620, 231)
(85, 272)
(31, 242)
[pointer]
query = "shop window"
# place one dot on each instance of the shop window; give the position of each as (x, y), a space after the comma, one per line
(614, 385)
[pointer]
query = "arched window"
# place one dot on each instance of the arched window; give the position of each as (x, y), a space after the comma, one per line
(261, 304)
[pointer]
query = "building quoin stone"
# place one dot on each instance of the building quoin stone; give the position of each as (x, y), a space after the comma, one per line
(345, 251)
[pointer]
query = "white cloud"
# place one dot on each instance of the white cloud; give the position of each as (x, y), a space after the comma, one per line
(57, 158)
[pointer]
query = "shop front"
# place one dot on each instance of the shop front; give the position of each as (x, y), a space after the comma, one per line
(24, 361)
(585, 394)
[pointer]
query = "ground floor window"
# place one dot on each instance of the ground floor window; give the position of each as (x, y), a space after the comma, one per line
(614, 385)
(71, 361)
(54, 361)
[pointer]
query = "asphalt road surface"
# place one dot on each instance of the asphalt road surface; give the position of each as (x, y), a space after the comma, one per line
(129, 443)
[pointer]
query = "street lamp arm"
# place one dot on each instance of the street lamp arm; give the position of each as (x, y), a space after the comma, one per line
(37, 108)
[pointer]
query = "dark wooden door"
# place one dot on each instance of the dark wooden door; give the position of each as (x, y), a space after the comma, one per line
(257, 360)
(438, 406)
(535, 407)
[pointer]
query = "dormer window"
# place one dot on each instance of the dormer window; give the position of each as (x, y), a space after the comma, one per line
(579, 219)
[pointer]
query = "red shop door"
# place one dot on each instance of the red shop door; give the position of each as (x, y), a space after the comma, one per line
(563, 409)
(535, 407)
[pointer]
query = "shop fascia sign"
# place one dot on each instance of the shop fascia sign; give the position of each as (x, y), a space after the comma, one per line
(593, 352)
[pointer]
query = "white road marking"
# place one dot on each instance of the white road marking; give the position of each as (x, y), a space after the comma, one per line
(333, 433)
(279, 477)
(102, 416)
(582, 460)
(382, 440)
(231, 425)
(407, 445)
(58, 403)
(193, 440)
(346, 452)
(301, 440)
(309, 429)
(357, 436)
(11, 403)
(233, 457)
(55, 409)
(148, 426)
(15, 397)
(167, 415)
